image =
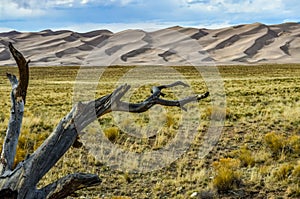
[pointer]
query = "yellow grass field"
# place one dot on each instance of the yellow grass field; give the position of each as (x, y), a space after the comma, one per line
(257, 155)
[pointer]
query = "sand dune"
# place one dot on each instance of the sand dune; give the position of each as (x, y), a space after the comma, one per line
(242, 44)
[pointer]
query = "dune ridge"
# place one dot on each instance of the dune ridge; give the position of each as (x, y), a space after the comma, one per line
(243, 44)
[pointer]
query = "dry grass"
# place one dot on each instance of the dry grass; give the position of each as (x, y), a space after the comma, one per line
(261, 133)
(227, 176)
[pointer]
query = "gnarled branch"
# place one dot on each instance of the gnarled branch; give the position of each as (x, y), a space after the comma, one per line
(69, 184)
(88, 112)
(22, 180)
(18, 96)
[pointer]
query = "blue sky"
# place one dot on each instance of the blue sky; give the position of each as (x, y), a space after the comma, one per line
(117, 15)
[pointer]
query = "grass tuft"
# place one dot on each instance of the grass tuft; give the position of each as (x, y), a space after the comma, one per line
(275, 142)
(245, 156)
(112, 133)
(284, 171)
(227, 177)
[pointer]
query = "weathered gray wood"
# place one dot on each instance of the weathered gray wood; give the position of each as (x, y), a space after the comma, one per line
(21, 89)
(18, 97)
(69, 184)
(13, 130)
(20, 182)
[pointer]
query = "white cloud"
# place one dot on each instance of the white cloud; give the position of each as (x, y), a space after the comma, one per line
(196, 1)
(60, 3)
(255, 6)
(115, 2)
(44, 4)
(84, 1)
(143, 14)
(236, 6)
(11, 10)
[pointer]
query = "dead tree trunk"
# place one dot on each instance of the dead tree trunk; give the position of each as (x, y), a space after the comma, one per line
(20, 182)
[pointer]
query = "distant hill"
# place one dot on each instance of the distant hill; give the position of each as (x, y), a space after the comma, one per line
(242, 44)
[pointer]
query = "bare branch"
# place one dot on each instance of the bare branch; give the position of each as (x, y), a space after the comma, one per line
(69, 184)
(155, 99)
(18, 96)
(88, 112)
(65, 134)
(23, 72)
(23, 179)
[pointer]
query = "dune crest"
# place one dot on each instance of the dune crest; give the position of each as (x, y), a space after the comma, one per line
(243, 44)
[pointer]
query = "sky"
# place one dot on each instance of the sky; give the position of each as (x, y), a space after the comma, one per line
(149, 15)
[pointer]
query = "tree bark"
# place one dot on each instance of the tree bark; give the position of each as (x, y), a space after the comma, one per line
(18, 97)
(20, 182)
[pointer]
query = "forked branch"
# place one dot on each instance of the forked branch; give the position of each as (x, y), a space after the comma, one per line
(155, 99)
(23, 179)
(88, 112)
